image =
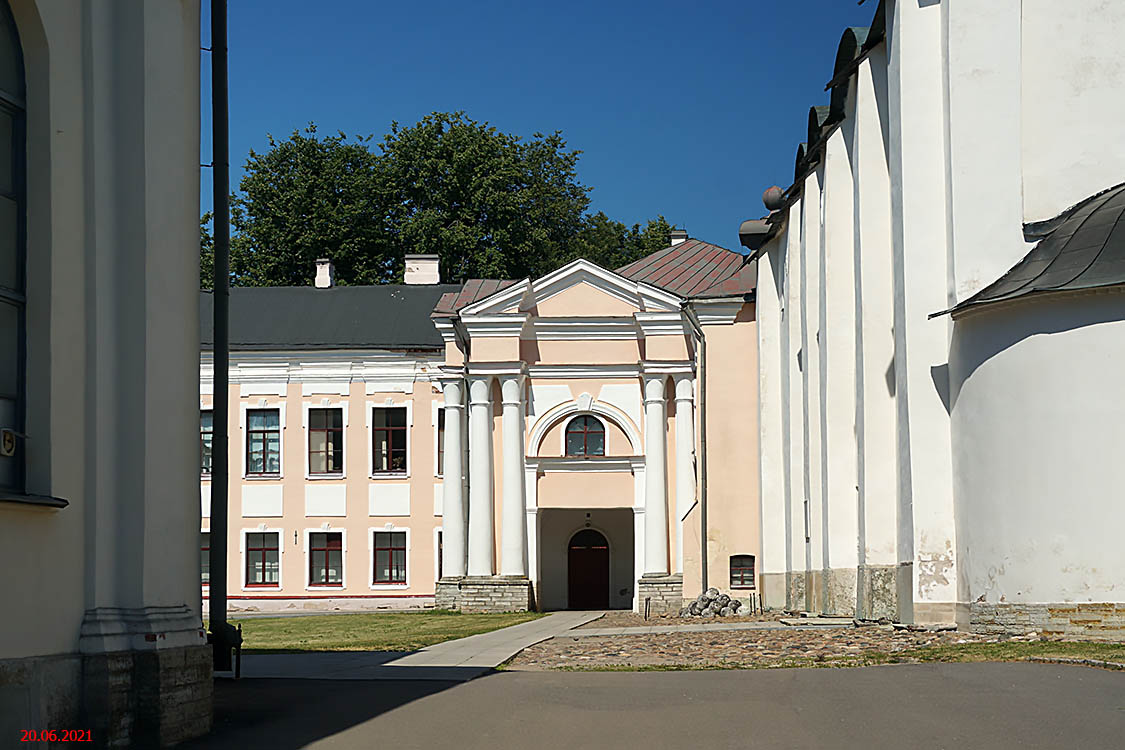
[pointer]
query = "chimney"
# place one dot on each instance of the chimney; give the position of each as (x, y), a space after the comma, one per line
(422, 269)
(678, 236)
(325, 274)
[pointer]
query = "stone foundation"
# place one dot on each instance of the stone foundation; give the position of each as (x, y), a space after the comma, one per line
(795, 590)
(877, 593)
(151, 698)
(1097, 621)
(773, 590)
(665, 594)
(38, 692)
(484, 594)
(840, 592)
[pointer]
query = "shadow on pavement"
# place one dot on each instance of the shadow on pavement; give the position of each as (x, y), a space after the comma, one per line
(284, 714)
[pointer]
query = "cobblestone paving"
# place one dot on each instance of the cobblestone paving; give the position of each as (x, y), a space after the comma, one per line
(731, 648)
(622, 618)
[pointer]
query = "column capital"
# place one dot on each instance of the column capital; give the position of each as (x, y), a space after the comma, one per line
(685, 386)
(654, 388)
(511, 389)
(480, 389)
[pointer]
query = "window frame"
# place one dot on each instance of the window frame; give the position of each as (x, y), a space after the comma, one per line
(206, 583)
(371, 406)
(309, 555)
(307, 409)
(14, 104)
(244, 548)
(211, 446)
(566, 432)
(246, 473)
(753, 568)
(371, 549)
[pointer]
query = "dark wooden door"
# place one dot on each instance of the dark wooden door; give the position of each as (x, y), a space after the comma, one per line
(588, 571)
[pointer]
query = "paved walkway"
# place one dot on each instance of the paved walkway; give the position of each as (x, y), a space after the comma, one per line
(906, 707)
(702, 628)
(458, 660)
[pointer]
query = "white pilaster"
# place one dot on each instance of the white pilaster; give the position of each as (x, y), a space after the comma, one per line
(656, 505)
(454, 534)
(513, 530)
(685, 459)
(480, 477)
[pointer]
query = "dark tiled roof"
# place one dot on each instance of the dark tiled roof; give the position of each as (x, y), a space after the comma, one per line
(694, 268)
(1085, 250)
(473, 290)
(392, 316)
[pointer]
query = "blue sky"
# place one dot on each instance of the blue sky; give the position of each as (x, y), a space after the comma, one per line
(689, 110)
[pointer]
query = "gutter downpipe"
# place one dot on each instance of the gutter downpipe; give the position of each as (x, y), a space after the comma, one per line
(697, 329)
(223, 636)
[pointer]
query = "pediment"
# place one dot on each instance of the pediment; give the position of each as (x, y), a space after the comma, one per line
(578, 289)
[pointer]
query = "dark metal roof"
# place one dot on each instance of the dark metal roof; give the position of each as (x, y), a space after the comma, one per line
(694, 268)
(391, 316)
(1086, 250)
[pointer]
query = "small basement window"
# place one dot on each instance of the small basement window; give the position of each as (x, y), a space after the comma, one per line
(742, 571)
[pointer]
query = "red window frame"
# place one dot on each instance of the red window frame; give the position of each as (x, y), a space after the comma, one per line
(741, 573)
(397, 575)
(585, 426)
(333, 542)
(259, 565)
(333, 441)
(384, 463)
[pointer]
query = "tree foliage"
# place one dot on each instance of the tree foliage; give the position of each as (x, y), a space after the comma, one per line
(490, 204)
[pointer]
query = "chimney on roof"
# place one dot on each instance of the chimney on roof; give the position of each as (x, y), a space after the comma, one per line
(678, 236)
(325, 274)
(422, 269)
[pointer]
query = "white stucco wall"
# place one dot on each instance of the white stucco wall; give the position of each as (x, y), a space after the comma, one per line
(771, 403)
(1038, 426)
(1072, 107)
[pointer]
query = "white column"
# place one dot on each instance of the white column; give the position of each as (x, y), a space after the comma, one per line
(685, 459)
(480, 477)
(513, 529)
(656, 504)
(453, 488)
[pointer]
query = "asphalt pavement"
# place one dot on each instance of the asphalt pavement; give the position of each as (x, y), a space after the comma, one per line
(999, 706)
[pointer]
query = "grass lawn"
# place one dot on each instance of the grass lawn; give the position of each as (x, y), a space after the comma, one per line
(1114, 653)
(376, 631)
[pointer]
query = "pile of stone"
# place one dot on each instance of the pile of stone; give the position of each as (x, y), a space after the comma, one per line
(712, 604)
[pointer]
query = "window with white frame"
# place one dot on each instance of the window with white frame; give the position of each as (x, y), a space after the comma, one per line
(742, 571)
(206, 433)
(388, 439)
(263, 442)
(326, 558)
(585, 436)
(390, 557)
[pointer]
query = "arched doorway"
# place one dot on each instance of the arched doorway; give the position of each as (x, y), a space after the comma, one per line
(587, 566)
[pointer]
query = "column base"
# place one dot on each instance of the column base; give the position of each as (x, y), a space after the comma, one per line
(146, 676)
(665, 594)
(485, 594)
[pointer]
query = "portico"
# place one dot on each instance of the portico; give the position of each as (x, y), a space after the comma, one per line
(553, 445)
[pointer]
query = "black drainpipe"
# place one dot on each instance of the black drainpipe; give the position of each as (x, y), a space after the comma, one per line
(223, 637)
(698, 329)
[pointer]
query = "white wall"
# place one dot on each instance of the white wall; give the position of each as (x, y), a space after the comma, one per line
(1038, 426)
(771, 402)
(1072, 103)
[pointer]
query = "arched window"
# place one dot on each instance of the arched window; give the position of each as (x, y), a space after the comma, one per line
(13, 300)
(585, 436)
(742, 571)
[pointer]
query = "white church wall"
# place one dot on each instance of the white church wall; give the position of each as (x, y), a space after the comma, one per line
(983, 116)
(794, 361)
(875, 377)
(926, 533)
(840, 482)
(1073, 111)
(1037, 440)
(812, 218)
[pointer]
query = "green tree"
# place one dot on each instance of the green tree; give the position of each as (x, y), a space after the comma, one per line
(490, 204)
(206, 252)
(307, 198)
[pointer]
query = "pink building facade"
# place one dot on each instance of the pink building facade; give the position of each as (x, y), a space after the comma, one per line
(547, 443)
